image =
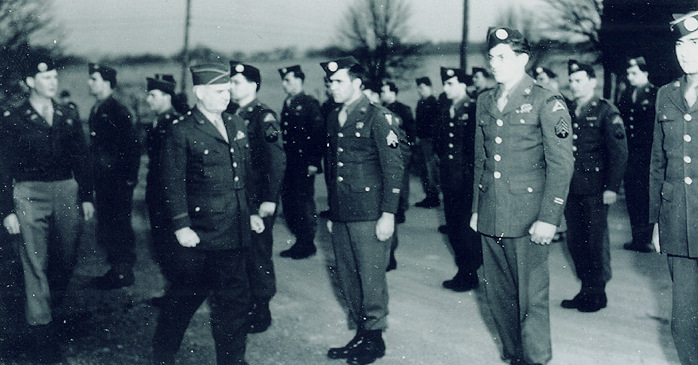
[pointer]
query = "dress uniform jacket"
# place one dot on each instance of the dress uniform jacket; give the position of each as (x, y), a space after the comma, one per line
(204, 180)
(155, 144)
(638, 117)
(454, 137)
(114, 146)
(267, 157)
(600, 149)
(33, 150)
(426, 115)
(526, 178)
(674, 172)
(364, 163)
(303, 130)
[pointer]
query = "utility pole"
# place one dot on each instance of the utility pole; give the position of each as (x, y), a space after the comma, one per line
(464, 41)
(185, 50)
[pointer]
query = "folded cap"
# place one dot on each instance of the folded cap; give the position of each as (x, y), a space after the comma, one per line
(164, 83)
(296, 69)
(510, 36)
(544, 70)
(331, 67)
(251, 73)
(38, 63)
(684, 24)
(423, 80)
(107, 73)
(210, 74)
(639, 62)
(447, 73)
(574, 66)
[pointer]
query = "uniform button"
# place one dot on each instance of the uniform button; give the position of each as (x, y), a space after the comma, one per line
(497, 158)
(450, 157)
(340, 149)
(93, 134)
(450, 145)
(687, 159)
(530, 189)
(367, 189)
(451, 124)
(232, 150)
(235, 164)
(522, 121)
(688, 180)
(340, 164)
(632, 135)
(687, 138)
(597, 169)
(286, 123)
(574, 148)
(500, 122)
(236, 178)
(498, 140)
(574, 136)
(340, 135)
(197, 209)
(358, 134)
(575, 125)
(497, 174)
(687, 117)
(631, 118)
(300, 150)
(340, 179)
(632, 126)
(205, 152)
(450, 135)
(285, 132)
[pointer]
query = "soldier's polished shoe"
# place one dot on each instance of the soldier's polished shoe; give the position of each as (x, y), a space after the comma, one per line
(369, 350)
(259, 317)
(586, 301)
(428, 202)
(462, 282)
(299, 251)
(638, 247)
(117, 277)
(347, 350)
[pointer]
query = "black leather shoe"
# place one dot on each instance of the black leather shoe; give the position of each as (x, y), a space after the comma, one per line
(347, 350)
(260, 317)
(115, 279)
(371, 349)
(574, 302)
(392, 264)
(299, 251)
(594, 303)
(462, 282)
(400, 218)
(638, 247)
(428, 203)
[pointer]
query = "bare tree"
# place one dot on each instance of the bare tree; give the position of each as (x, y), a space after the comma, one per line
(374, 32)
(578, 17)
(26, 26)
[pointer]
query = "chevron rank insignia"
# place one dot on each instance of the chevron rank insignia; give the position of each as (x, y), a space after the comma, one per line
(562, 128)
(392, 140)
(389, 118)
(558, 106)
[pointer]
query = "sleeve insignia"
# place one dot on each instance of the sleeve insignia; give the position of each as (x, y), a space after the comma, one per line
(559, 201)
(618, 120)
(396, 191)
(59, 112)
(359, 125)
(558, 106)
(389, 118)
(392, 140)
(562, 128)
(269, 118)
(239, 136)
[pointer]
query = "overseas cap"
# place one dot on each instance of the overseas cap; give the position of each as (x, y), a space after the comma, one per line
(574, 66)
(333, 66)
(544, 70)
(210, 74)
(296, 69)
(684, 24)
(107, 73)
(38, 63)
(639, 62)
(447, 73)
(510, 36)
(164, 83)
(423, 80)
(251, 73)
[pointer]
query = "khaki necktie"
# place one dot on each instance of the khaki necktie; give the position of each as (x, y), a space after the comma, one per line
(502, 101)
(690, 96)
(342, 117)
(47, 113)
(218, 123)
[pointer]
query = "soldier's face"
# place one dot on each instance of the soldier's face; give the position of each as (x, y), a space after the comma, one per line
(292, 85)
(687, 53)
(636, 77)
(581, 85)
(507, 66)
(372, 96)
(479, 80)
(241, 88)
(97, 84)
(214, 98)
(158, 101)
(387, 96)
(343, 88)
(454, 89)
(44, 84)
(424, 91)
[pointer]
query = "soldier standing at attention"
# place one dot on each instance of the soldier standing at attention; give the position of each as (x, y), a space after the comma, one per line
(46, 175)
(636, 105)
(600, 153)
(204, 163)
(303, 130)
(267, 165)
(523, 166)
(161, 91)
(546, 77)
(673, 181)
(482, 80)
(454, 137)
(365, 175)
(426, 115)
(116, 158)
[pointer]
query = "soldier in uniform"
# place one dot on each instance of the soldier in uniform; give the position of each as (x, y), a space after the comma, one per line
(116, 159)
(673, 181)
(547, 78)
(303, 130)
(267, 166)
(454, 137)
(636, 106)
(600, 153)
(46, 175)
(365, 175)
(426, 116)
(388, 96)
(205, 162)
(523, 165)
(161, 91)
(482, 81)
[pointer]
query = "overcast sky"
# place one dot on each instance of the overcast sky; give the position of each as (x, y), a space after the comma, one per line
(157, 26)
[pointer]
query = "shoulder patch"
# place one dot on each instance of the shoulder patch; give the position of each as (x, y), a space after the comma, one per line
(269, 118)
(392, 140)
(617, 120)
(562, 128)
(558, 106)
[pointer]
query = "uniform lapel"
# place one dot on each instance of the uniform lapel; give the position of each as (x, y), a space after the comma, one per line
(676, 95)
(356, 113)
(207, 127)
(518, 95)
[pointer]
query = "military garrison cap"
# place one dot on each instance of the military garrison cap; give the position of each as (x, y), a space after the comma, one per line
(510, 36)
(38, 63)
(684, 24)
(481, 69)
(251, 73)
(423, 80)
(164, 83)
(544, 70)
(210, 74)
(333, 66)
(639, 62)
(107, 73)
(296, 69)
(447, 73)
(574, 66)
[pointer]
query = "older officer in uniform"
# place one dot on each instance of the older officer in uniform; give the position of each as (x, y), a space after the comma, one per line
(205, 162)
(426, 116)
(523, 165)
(303, 130)
(161, 91)
(600, 153)
(116, 158)
(636, 106)
(365, 175)
(46, 175)
(267, 166)
(453, 141)
(673, 181)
